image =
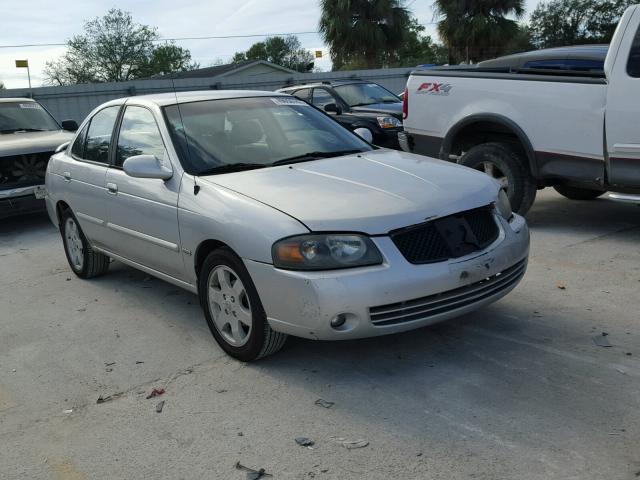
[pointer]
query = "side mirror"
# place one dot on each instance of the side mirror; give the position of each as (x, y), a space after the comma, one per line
(146, 166)
(364, 133)
(70, 125)
(332, 108)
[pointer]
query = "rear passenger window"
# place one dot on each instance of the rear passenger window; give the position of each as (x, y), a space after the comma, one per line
(96, 146)
(77, 149)
(633, 64)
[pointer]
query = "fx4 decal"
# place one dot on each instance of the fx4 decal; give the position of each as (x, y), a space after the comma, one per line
(432, 88)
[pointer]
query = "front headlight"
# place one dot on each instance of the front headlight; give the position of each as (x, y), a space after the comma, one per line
(389, 122)
(503, 206)
(325, 252)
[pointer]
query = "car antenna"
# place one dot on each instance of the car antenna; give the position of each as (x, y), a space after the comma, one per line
(196, 187)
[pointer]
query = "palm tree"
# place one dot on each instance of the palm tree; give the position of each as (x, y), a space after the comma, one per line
(475, 30)
(361, 31)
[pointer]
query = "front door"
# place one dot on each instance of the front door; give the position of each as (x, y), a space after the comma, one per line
(623, 114)
(143, 213)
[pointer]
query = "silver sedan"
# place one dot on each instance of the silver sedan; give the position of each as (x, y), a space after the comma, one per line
(282, 221)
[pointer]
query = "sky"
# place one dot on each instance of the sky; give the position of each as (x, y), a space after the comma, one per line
(51, 21)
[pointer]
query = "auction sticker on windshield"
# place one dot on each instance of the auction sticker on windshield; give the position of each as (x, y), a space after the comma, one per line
(288, 101)
(33, 105)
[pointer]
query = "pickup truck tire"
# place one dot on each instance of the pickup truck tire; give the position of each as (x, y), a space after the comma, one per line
(576, 193)
(233, 309)
(83, 260)
(507, 166)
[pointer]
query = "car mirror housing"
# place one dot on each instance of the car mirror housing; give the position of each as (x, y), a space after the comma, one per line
(332, 108)
(70, 125)
(364, 133)
(146, 166)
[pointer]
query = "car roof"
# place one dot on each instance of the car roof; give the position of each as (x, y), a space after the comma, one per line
(577, 52)
(172, 98)
(332, 83)
(14, 100)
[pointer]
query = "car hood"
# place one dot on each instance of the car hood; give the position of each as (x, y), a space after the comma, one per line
(392, 108)
(32, 142)
(373, 192)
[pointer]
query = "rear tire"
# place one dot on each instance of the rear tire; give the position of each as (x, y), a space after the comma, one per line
(83, 260)
(509, 168)
(575, 193)
(233, 308)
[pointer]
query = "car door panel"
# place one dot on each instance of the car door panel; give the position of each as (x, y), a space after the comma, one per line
(85, 172)
(622, 126)
(142, 212)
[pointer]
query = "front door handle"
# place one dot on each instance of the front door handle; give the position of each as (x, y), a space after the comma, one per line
(112, 188)
(67, 176)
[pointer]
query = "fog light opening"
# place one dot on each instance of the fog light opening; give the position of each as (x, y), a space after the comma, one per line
(338, 320)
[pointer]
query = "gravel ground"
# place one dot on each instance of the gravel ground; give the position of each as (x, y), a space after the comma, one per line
(516, 390)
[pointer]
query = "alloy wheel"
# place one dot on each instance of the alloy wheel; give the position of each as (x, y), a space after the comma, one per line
(229, 306)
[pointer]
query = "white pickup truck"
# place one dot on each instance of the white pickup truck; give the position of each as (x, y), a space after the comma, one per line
(532, 128)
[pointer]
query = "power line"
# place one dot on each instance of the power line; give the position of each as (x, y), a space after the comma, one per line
(212, 37)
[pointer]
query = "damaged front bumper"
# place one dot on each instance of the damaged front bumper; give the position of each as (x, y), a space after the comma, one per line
(393, 297)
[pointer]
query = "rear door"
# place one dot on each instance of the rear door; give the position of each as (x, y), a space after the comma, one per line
(143, 212)
(85, 173)
(623, 112)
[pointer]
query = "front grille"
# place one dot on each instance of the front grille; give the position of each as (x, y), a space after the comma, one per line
(426, 307)
(448, 237)
(23, 170)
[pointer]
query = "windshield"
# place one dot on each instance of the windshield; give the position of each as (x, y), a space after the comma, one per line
(241, 133)
(25, 116)
(359, 94)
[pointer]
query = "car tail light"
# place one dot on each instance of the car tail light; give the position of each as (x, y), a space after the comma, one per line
(405, 104)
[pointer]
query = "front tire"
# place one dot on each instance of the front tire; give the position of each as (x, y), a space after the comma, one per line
(83, 260)
(508, 167)
(575, 193)
(233, 308)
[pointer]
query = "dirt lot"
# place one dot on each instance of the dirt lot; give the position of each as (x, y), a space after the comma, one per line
(516, 390)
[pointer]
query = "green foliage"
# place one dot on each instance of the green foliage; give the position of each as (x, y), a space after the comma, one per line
(168, 58)
(363, 33)
(114, 48)
(475, 30)
(416, 49)
(284, 51)
(2, 87)
(573, 22)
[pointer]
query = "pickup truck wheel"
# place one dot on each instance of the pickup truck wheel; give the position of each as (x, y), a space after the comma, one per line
(83, 260)
(233, 308)
(507, 166)
(575, 193)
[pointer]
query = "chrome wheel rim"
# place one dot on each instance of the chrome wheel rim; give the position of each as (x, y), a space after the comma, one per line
(75, 249)
(493, 171)
(229, 306)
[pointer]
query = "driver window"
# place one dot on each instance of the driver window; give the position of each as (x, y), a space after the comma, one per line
(633, 64)
(139, 135)
(321, 98)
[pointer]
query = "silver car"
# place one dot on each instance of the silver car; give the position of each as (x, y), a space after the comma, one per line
(282, 221)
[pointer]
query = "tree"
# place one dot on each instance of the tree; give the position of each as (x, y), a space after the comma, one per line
(114, 48)
(573, 22)
(475, 30)
(416, 49)
(363, 32)
(168, 58)
(283, 51)
(2, 87)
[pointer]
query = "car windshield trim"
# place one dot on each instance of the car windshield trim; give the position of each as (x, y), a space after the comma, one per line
(232, 167)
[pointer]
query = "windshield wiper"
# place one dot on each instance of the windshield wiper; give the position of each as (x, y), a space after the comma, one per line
(305, 157)
(14, 130)
(232, 167)
(362, 104)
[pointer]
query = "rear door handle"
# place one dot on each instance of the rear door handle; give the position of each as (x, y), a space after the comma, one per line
(67, 176)
(112, 188)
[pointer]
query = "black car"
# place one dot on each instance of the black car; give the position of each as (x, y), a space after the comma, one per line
(357, 104)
